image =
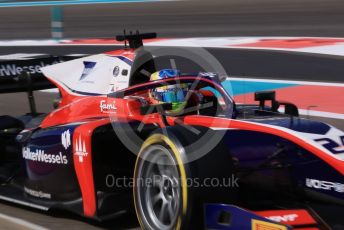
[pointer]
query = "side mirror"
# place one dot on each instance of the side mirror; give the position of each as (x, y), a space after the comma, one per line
(264, 96)
(289, 108)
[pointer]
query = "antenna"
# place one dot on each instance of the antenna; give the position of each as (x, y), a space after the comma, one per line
(135, 40)
(309, 108)
(125, 41)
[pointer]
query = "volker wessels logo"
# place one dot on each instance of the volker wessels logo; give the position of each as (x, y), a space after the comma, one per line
(16, 69)
(88, 67)
(80, 149)
(116, 71)
(39, 155)
(66, 139)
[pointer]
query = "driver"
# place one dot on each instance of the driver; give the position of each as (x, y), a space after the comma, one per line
(174, 94)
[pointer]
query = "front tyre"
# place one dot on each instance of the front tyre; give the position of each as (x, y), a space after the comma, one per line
(160, 191)
(163, 196)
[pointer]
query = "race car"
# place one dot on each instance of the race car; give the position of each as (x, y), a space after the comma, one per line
(116, 143)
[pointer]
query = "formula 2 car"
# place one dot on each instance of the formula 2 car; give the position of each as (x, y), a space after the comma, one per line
(107, 150)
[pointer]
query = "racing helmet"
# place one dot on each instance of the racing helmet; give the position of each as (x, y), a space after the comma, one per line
(174, 94)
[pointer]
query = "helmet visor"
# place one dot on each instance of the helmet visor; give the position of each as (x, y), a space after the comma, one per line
(173, 95)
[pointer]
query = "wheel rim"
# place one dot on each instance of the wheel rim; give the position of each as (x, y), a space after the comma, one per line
(159, 190)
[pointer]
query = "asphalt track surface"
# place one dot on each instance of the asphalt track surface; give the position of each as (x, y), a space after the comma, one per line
(179, 19)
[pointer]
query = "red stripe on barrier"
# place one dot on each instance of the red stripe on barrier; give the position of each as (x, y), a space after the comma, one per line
(106, 41)
(324, 98)
(292, 43)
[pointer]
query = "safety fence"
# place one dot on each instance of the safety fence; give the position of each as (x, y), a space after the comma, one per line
(57, 9)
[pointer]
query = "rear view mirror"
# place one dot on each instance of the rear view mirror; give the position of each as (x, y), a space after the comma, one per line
(263, 96)
(289, 108)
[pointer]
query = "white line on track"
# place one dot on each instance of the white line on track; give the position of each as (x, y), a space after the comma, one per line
(314, 113)
(27, 204)
(17, 223)
(286, 81)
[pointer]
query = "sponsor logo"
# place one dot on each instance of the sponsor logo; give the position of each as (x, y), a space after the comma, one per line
(107, 107)
(263, 225)
(207, 74)
(116, 71)
(40, 156)
(292, 217)
(112, 88)
(38, 194)
(14, 70)
(283, 218)
(80, 149)
(88, 67)
(66, 139)
(125, 72)
(332, 145)
(325, 185)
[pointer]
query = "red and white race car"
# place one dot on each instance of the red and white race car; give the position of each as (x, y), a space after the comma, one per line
(107, 150)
